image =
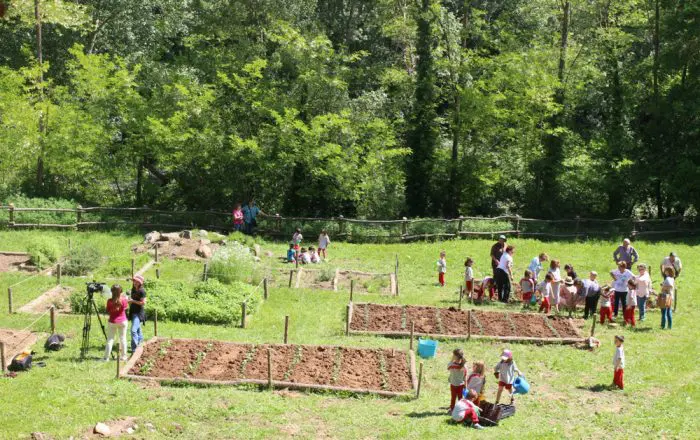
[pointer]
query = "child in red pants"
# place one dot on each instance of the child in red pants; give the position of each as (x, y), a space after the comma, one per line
(467, 410)
(442, 268)
(631, 302)
(545, 290)
(619, 362)
(605, 305)
(458, 376)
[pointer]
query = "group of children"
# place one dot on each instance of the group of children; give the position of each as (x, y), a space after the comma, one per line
(467, 389)
(300, 255)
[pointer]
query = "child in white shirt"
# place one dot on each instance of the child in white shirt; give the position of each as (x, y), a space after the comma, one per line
(313, 256)
(631, 303)
(545, 289)
(323, 242)
(442, 268)
(556, 283)
(619, 362)
(469, 276)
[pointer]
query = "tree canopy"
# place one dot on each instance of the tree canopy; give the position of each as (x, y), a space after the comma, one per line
(369, 108)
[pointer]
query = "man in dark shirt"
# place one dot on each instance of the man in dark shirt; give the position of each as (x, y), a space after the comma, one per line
(137, 314)
(497, 252)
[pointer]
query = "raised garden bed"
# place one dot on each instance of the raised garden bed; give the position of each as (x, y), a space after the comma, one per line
(14, 261)
(385, 372)
(395, 320)
(311, 277)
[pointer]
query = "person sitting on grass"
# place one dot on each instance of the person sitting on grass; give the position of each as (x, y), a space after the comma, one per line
(457, 376)
(116, 324)
(313, 256)
(476, 381)
(505, 371)
(467, 411)
(442, 268)
(606, 304)
(631, 303)
(291, 253)
(304, 257)
(527, 288)
(545, 291)
(619, 362)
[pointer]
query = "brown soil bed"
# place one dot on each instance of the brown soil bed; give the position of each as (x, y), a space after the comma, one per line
(13, 263)
(16, 341)
(388, 319)
(381, 371)
(57, 296)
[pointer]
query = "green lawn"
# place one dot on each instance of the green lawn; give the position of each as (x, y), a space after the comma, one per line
(67, 397)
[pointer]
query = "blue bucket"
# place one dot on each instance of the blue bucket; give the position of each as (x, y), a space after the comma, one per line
(427, 348)
(520, 385)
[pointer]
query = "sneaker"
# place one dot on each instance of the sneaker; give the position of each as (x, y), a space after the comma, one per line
(477, 426)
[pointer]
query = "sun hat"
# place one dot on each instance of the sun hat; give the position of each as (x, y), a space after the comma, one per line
(620, 338)
(569, 281)
(502, 237)
(507, 354)
(139, 279)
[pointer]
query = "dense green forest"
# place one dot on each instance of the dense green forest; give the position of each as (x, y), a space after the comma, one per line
(369, 108)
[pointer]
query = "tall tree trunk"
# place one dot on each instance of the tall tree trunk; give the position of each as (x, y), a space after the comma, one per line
(139, 183)
(42, 122)
(657, 39)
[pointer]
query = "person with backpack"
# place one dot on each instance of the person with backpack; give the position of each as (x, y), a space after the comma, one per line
(116, 324)
(137, 313)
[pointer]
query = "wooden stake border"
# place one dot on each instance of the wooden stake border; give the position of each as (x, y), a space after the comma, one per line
(124, 374)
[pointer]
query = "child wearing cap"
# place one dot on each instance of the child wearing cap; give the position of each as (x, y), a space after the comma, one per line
(619, 362)
(505, 371)
(442, 268)
(466, 410)
(457, 376)
(137, 313)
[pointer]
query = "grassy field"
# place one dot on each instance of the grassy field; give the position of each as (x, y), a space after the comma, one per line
(67, 397)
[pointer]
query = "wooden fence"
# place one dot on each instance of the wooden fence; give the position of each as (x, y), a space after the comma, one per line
(341, 228)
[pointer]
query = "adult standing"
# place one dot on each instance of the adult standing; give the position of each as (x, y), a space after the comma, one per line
(621, 276)
(250, 214)
(497, 251)
(137, 312)
(590, 291)
(504, 274)
(536, 264)
(673, 262)
(625, 252)
(666, 298)
(643, 289)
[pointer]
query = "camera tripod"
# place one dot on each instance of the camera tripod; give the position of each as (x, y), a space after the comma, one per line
(87, 323)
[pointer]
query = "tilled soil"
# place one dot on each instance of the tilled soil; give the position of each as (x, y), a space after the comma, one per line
(433, 320)
(355, 368)
(10, 263)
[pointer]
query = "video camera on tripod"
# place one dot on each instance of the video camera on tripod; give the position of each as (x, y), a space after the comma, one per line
(90, 306)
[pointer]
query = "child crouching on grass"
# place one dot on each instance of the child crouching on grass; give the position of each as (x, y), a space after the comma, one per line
(505, 373)
(487, 285)
(442, 268)
(619, 362)
(466, 410)
(527, 288)
(458, 374)
(477, 380)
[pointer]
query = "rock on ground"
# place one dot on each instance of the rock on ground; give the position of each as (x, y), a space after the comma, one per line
(204, 251)
(186, 234)
(170, 236)
(151, 237)
(203, 233)
(102, 429)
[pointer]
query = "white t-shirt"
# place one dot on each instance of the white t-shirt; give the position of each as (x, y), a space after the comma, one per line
(506, 262)
(323, 241)
(545, 289)
(468, 273)
(632, 297)
(621, 278)
(605, 301)
(676, 265)
(314, 258)
(460, 410)
(305, 257)
(671, 283)
(643, 285)
(619, 355)
(442, 265)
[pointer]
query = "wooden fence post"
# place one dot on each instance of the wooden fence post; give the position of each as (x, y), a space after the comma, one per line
(410, 343)
(352, 288)
(133, 267)
(156, 249)
(52, 317)
(11, 211)
(675, 300)
(286, 328)
(269, 368)
(578, 224)
(58, 274)
(461, 292)
(78, 215)
(517, 225)
(404, 227)
(265, 294)
(291, 275)
(157, 273)
(341, 225)
(155, 323)
(205, 272)
(3, 366)
(347, 320)
(9, 299)
(244, 306)
(593, 327)
(70, 246)
(278, 223)
(460, 225)
(469, 325)
(420, 379)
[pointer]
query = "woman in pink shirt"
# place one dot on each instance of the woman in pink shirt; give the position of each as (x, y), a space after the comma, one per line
(116, 309)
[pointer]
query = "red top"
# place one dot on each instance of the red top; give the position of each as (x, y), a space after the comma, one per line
(237, 217)
(117, 313)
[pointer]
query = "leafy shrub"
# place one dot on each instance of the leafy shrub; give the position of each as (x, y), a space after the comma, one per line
(82, 261)
(44, 252)
(233, 263)
(241, 238)
(327, 273)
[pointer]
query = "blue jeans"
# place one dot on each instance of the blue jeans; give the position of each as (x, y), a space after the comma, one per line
(666, 315)
(237, 227)
(641, 303)
(136, 333)
(620, 297)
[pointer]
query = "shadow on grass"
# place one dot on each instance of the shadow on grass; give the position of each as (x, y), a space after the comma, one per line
(641, 330)
(599, 388)
(424, 414)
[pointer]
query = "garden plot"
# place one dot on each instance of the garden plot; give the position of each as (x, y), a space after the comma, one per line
(16, 341)
(393, 320)
(340, 280)
(57, 296)
(13, 261)
(385, 372)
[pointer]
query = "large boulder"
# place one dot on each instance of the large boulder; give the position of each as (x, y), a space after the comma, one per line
(202, 233)
(204, 251)
(102, 429)
(151, 237)
(170, 236)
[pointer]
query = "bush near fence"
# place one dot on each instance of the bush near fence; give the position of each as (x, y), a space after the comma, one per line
(340, 228)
